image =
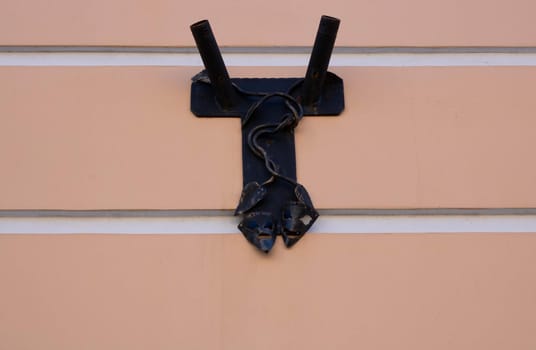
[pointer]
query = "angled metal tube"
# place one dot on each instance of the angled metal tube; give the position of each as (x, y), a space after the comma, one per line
(319, 61)
(213, 61)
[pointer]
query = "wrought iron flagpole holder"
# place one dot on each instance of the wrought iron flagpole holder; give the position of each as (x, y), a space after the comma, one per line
(272, 201)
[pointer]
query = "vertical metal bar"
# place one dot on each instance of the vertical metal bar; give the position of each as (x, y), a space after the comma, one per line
(319, 61)
(213, 61)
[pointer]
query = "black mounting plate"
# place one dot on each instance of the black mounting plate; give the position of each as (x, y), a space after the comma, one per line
(203, 100)
(273, 210)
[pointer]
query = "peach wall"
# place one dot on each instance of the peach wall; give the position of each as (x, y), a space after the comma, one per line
(436, 291)
(124, 138)
(268, 23)
(411, 137)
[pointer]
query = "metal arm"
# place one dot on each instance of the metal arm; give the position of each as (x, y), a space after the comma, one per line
(213, 61)
(319, 61)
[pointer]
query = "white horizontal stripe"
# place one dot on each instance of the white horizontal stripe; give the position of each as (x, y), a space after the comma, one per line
(227, 224)
(265, 59)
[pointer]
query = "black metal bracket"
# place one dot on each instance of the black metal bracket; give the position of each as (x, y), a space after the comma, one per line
(272, 201)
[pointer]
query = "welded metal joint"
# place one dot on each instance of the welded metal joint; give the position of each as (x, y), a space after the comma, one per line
(272, 202)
